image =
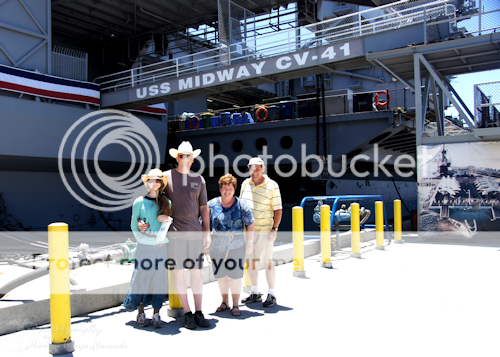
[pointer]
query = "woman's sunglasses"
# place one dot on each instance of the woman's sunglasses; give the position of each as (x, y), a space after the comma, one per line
(154, 181)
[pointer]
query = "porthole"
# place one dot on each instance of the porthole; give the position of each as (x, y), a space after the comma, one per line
(216, 147)
(237, 146)
(286, 142)
(260, 143)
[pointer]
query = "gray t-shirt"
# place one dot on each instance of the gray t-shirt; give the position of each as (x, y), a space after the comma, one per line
(186, 200)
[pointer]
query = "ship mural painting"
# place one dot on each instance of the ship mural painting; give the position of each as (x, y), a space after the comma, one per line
(459, 188)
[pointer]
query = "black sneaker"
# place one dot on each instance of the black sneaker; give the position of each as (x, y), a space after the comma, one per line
(252, 298)
(189, 321)
(156, 321)
(270, 301)
(142, 321)
(200, 319)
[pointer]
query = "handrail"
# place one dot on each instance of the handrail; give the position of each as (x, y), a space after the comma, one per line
(366, 22)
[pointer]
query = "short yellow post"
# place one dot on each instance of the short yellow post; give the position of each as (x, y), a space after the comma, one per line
(60, 304)
(175, 308)
(379, 224)
(298, 241)
(355, 235)
(398, 225)
(248, 285)
(326, 244)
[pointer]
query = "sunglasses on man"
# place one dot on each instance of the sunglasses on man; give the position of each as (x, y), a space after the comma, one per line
(184, 156)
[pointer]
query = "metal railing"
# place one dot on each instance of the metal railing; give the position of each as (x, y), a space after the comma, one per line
(479, 18)
(368, 22)
(487, 104)
(68, 63)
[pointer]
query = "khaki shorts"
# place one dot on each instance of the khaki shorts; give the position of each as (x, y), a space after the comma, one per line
(262, 248)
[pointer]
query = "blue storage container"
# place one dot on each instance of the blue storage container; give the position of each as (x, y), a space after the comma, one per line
(287, 110)
(308, 108)
(247, 119)
(236, 119)
(273, 113)
(225, 118)
(215, 121)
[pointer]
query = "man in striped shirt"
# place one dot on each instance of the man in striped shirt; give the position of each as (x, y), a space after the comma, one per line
(263, 196)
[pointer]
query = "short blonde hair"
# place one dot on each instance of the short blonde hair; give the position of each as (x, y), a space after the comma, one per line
(227, 179)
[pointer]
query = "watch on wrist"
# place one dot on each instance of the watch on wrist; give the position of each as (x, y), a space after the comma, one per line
(274, 229)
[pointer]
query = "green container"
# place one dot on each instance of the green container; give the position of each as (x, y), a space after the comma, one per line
(205, 117)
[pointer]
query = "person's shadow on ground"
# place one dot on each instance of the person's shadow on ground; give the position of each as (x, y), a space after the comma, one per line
(172, 327)
(268, 310)
(245, 314)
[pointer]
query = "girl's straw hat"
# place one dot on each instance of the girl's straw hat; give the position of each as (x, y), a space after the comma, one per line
(155, 174)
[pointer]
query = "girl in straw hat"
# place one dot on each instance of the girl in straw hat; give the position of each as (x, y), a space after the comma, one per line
(148, 284)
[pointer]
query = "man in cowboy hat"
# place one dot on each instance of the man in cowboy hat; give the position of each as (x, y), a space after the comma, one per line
(264, 198)
(188, 193)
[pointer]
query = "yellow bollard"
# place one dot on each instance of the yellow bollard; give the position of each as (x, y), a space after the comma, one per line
(326, 244)
(248, 285)
(379, 224)
(175, 308)
(398, 225)
(60, 303)
(355, 235)
(298, 241)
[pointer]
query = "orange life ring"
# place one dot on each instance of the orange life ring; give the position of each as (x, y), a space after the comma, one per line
(257, 113)
(382, 104)
(196, 122)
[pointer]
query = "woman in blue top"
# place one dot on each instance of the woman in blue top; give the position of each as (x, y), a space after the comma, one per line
(148, 284)
(228, 216)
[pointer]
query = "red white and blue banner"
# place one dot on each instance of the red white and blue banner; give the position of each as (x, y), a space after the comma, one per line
(43, 85)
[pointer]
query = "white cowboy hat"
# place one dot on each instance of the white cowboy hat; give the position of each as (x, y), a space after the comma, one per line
(184, 148)
(155, 174)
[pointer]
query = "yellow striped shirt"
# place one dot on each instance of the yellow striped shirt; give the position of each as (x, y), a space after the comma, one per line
(263, 200)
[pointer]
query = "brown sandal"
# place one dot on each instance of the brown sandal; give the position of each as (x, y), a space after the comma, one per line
(222, 307)
(235, 311)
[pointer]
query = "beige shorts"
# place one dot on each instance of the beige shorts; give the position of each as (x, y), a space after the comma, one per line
(262, 248)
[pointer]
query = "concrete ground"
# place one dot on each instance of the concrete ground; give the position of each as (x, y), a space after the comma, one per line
(414, 299)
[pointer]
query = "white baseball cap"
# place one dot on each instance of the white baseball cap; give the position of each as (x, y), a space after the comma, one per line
(256, 161)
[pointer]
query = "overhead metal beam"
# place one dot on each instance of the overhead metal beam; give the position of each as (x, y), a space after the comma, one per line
(438, 109)
(425, 103)
(444, 79)
(33, 18)
(23, 31)
(470, 65)
(350, 74)
(6, 54)
(433, 72)
(89, 22)
(33, 50)
(384, 67)
(418, 100)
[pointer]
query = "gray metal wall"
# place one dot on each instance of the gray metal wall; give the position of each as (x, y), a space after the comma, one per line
(36, 129)
(25, 34)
